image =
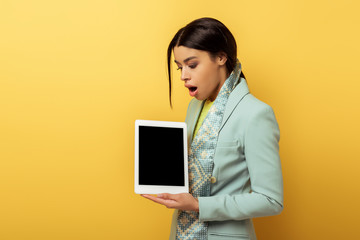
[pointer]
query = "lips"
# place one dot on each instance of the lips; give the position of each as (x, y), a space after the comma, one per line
(193, 90)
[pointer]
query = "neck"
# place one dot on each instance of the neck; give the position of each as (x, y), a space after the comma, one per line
(223, 75)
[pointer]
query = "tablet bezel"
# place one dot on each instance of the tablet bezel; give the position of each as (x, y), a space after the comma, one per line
(156, 189)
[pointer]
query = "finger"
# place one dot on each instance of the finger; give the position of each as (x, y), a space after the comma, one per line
(169, 203)
(151, 197)
(148, 196)
(170, 196)
(165, 196)
(155, 199)
(145, 195)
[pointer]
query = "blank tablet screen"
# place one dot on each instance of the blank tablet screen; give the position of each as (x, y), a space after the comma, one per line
(161, 156)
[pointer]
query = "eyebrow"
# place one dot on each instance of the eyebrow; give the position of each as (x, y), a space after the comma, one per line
(186, 60)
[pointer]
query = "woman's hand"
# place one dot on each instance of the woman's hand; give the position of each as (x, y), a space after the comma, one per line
(182, 201)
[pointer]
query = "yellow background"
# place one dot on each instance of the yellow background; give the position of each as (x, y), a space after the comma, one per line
(74, 75)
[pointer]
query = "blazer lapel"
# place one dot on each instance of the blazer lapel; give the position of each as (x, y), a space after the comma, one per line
(194, 115)
(240, 91)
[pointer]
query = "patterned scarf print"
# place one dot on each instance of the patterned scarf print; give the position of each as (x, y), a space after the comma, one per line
(201, 155)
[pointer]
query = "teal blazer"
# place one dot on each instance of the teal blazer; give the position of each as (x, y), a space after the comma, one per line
(247, 171)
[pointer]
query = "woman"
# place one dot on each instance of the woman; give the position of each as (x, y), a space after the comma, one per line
(234, 165)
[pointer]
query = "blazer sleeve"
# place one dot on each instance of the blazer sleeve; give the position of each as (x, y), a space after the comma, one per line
(261, 151)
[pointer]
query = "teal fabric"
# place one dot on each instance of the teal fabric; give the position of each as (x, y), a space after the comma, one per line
(246, 165)
(201, 160)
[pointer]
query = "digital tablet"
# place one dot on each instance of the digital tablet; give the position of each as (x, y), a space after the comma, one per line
(161, 159)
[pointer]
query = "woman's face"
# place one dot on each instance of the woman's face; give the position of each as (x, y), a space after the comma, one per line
(203, 75)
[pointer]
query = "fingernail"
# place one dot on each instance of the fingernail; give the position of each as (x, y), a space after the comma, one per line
(159, 195)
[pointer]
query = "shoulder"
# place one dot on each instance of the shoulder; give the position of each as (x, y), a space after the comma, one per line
(250, 106)
(254, 115)
(260, 120)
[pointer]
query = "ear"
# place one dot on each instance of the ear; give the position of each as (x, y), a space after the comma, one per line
(221, 58)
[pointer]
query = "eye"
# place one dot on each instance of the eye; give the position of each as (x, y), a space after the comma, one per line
(192, 66)
(179, 68)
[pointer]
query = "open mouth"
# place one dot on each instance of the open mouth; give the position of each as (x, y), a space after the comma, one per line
(193, 89)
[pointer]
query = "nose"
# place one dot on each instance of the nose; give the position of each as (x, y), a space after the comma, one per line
(185, 75)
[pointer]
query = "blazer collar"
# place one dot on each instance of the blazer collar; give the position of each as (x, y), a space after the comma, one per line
(239, 92)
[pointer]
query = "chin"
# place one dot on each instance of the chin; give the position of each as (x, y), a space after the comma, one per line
(200, 98)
